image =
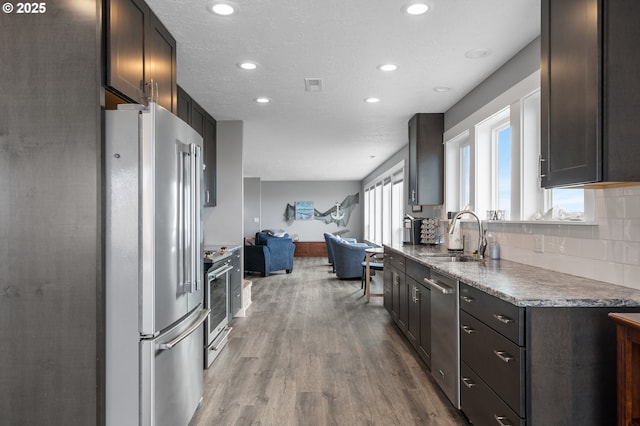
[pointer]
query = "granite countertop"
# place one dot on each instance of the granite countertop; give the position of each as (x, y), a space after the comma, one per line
(217, 252)
(525, 285)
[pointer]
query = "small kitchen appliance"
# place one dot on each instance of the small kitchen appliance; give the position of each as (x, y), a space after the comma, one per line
(411, 227)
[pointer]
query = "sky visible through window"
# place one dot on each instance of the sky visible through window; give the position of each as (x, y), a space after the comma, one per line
(571, 200)
(504, 169)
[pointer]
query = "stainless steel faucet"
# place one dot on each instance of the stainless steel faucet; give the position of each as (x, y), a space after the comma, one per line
(482, 242)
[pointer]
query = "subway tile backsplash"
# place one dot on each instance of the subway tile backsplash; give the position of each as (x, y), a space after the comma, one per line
(607, 251)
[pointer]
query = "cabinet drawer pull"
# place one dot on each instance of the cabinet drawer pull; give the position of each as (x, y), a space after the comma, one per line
(468, 299)
(503, 318)
(501, 420)
(503, 355)
(468, 382)
(467, 329)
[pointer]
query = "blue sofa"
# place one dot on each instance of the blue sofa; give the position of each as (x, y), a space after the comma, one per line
(269, 254)
(348, 258)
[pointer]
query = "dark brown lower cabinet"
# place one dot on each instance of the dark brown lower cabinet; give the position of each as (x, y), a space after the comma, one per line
(536, 365)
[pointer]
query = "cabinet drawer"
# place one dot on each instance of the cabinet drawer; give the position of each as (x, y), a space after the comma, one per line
(496, 359)
(416, 270)
(504, 317)
(395, 259)
(481, 405)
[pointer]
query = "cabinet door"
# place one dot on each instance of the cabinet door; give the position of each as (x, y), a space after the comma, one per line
(388, 289)
(197, 118)
(184, 105)
(426, 159)
(209, 155)
(413, 161)
(397, 281)
(413, 312)
(160, 58)
(126, 25)
(235, 284)
(424, 346)
(403, 300)
(571, 125)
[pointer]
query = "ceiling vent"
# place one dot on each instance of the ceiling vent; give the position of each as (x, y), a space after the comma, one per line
(313, 84)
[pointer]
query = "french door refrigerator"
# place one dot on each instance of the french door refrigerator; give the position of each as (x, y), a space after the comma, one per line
(153, 258)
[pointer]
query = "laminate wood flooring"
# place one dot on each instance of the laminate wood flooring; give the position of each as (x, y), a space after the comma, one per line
(311, 352)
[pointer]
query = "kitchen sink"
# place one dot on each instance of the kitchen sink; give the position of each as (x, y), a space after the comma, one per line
(451, 257)
(459, 258)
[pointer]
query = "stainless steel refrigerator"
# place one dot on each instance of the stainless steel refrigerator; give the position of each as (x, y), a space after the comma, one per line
(153, 258)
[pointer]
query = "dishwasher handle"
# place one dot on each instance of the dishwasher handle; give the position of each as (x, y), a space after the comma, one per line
(443, 288)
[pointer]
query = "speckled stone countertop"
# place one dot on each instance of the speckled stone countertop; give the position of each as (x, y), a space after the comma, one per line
(525, 285)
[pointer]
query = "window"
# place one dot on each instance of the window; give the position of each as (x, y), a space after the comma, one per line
(465, 175)
(384, 207)
(397, 207)
(458, 168)
(492, 161)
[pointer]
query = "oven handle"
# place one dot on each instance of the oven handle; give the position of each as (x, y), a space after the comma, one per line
(203, 316)
(220, 271)
(220, 339)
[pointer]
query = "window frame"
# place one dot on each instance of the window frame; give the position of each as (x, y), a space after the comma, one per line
(520, 108)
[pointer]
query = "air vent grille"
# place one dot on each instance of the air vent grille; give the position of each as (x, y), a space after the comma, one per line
(313, 84)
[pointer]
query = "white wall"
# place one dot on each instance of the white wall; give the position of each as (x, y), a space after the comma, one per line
(276, 194)
(223, 224)
(251, 205)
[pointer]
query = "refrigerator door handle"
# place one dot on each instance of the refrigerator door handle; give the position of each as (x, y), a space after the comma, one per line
(204, 314)
(195, 184)
(185, 268)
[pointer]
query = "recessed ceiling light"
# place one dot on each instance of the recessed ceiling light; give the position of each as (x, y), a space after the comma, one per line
(387, 67)
(477, 53)
(263, 100)
(441, 89)
(372, 100)
(222, 8)
(248, 65)
(415, 8)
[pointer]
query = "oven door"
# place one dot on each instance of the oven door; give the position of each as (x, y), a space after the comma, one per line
(217, 298)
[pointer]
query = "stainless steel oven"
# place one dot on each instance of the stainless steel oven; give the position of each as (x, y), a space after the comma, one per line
(217, 298)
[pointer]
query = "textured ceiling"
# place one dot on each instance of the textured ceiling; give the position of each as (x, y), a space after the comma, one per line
(334, 134)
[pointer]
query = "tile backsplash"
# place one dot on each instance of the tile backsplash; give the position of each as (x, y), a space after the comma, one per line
(608, 250)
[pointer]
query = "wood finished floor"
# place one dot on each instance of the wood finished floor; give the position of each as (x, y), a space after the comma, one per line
(311, 352)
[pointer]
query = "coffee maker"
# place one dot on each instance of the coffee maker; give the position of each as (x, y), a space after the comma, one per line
(411, 228)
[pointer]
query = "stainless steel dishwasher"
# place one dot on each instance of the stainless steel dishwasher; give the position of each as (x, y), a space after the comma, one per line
(445, 335)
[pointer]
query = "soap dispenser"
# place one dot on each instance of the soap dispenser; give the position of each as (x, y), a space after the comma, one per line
(494, 247)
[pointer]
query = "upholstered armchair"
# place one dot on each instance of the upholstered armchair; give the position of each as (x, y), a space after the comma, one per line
(269, 254)
(348, 258)
(328, 238)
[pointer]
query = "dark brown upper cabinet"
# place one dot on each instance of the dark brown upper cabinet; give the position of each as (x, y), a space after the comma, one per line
(589, 91)
(203, 123)
(140, 54)
(426, 159)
